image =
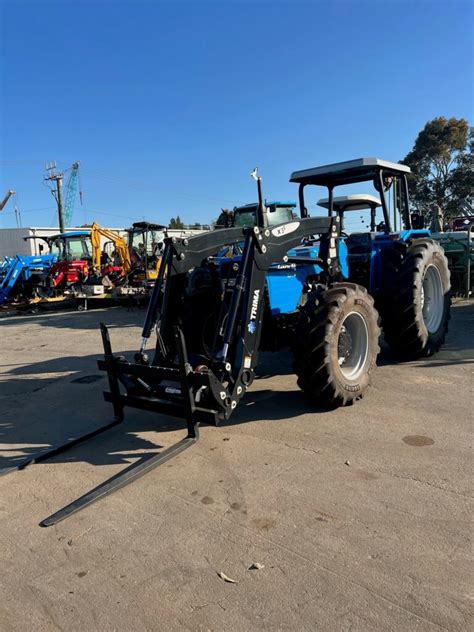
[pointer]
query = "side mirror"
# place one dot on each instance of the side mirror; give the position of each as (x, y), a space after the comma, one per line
(387, 183)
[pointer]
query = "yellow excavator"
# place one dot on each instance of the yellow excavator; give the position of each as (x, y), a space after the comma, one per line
(145, 242)
(120, 247)
(138, 260)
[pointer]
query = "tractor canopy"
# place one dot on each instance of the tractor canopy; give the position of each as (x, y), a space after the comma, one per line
(382, 173)
(349, 172)
(345, 203)
(71, 246)
(147, 226)
(63, 236)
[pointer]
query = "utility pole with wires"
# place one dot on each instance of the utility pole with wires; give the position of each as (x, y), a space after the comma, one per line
(52, 175)
(16, 210)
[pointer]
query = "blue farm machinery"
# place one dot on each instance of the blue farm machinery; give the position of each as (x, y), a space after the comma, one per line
(20, 275)
(222, 297)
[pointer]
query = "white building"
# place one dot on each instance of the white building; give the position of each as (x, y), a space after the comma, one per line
(13, 242)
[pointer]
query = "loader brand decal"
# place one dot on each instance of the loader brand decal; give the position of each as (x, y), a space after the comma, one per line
(252, 326)
(286, 229)
(253, 311)
(284, 266)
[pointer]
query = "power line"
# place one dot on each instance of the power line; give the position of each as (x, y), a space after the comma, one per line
(139, 184)
(27, 162)
(30, 210)
(100, 174)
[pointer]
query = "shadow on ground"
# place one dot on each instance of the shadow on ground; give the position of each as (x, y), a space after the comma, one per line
(278, 405)
(27, 427)
(113, 317)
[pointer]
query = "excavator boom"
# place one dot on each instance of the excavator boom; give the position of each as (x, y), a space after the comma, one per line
(119, 243)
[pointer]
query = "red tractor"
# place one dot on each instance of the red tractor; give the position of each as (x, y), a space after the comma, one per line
(74, 263)
(74, 259)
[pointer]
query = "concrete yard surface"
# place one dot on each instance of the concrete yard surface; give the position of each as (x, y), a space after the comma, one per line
(360, 517)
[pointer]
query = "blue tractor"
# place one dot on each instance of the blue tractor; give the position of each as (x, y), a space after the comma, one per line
(285, 280)
(406, 272)
(21, 274)
(268, 286)
(277, 285)
(45, 276)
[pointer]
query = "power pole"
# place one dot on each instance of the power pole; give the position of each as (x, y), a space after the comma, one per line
(57, 177)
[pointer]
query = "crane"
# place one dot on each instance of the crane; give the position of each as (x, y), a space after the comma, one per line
(71, 188)
(5, 199)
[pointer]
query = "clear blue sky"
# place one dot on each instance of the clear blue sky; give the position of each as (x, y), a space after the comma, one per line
(169, 105)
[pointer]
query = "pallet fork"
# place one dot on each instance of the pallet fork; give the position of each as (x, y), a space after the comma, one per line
(191, 387)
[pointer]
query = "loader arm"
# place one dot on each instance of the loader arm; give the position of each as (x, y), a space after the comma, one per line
(211, 391)
(178, 384)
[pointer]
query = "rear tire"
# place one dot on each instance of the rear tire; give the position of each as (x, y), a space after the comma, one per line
(336, 344)
(415, 319)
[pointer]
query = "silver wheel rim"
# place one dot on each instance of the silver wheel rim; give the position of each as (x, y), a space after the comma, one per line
(432, 299)
(353, 345)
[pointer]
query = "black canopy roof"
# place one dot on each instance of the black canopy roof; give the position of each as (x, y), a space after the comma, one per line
(147, 226)
(349, 172)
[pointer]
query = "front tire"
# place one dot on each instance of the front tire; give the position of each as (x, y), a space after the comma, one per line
(415, 319)
(336, 344)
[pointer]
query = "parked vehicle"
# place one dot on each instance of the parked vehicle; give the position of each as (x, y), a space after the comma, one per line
(211, 314)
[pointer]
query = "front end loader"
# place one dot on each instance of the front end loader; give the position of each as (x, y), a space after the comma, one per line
(211, 316)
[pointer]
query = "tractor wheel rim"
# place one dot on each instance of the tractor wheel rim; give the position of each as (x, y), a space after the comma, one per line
(432, 299)
(353, 345)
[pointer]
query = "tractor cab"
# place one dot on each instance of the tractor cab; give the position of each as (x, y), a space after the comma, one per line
(245, 216)
(145, 242)
(74, 252)
(367, 251)
(361, 202)
(275, 213)
(285, 279)
(72, 246)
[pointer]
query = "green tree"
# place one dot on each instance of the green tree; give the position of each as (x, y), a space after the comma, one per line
(176, 223)
(442, 166)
